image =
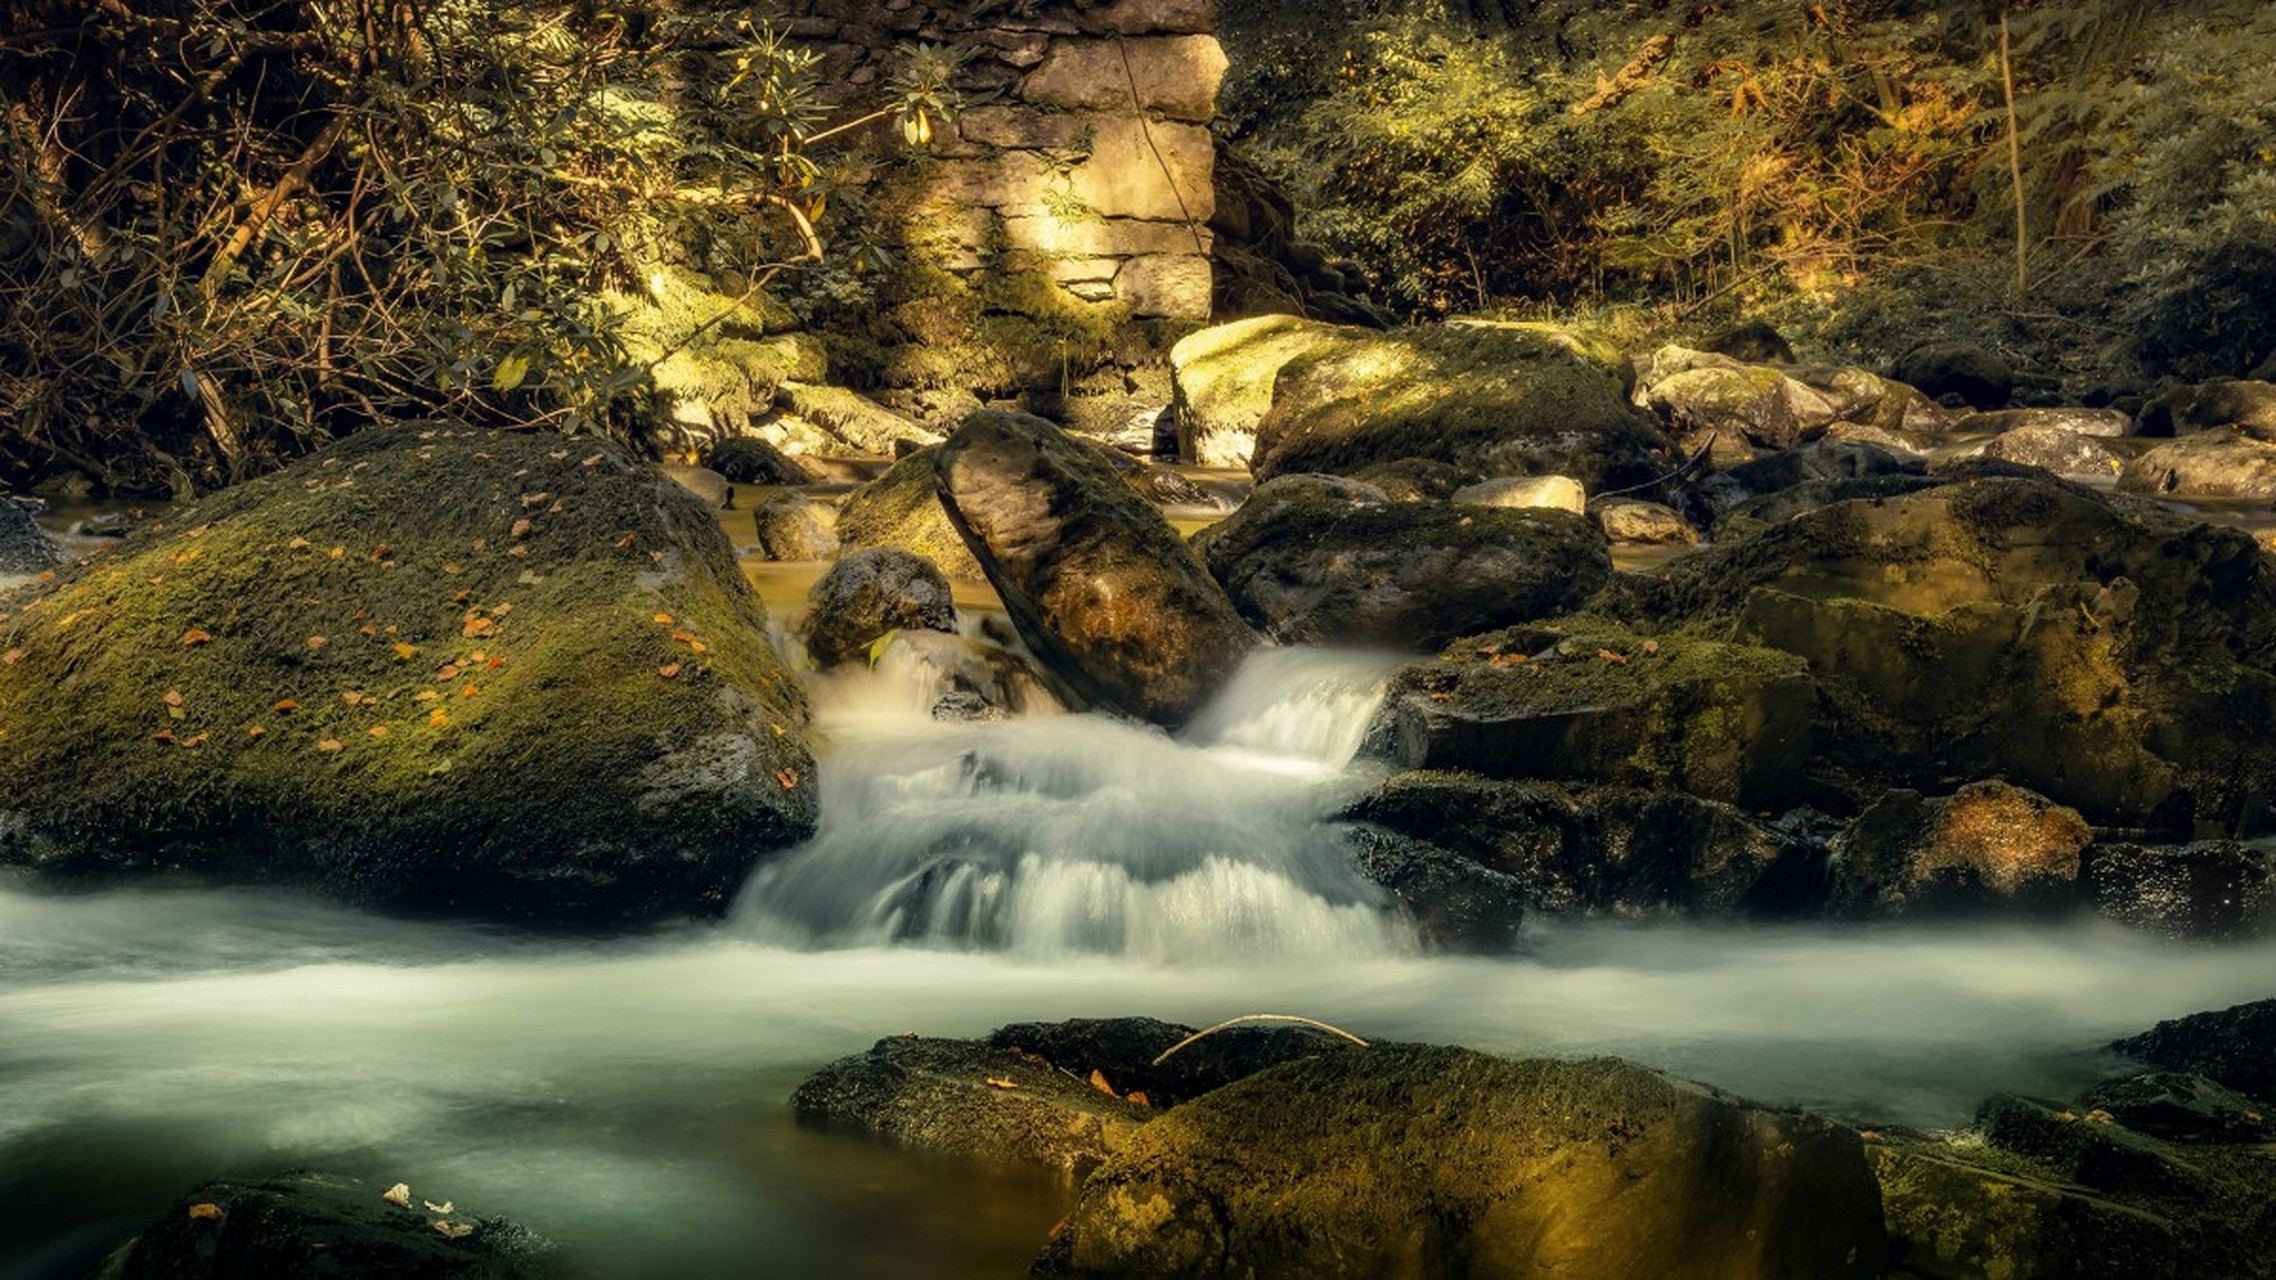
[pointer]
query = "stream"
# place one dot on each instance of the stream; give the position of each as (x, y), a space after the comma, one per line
(627, 1098)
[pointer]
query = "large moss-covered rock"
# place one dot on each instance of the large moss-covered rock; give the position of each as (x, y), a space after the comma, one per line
(1323, 560)
(1592, 702)
(1222, 380)
(1488, 399)
(1399, 1160)
(1097, 582)
(2116, 659)
(1987, 846)
(313, 1224)
(1753, 403)
(901, 508)
(442, 670)
(863, 427)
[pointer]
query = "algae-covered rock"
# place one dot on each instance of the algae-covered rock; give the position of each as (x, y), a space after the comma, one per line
(440, 670)
(1949, 1215)
(1635, 522)
(1491, 400)
(1323, 560)
(307, 1224)
(2115, 659)
(1400, 1160)
(1988, 845)
(870, 594)
(1751, 402)
(1098, 584)
(1222, 381)
(901, 508)
(863, 427)
(1592, 702)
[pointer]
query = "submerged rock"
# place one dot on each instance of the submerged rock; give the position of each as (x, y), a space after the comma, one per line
(24, 546)
(1098, 584)
(791, 527)
(1322, 560)
(307, 1224)
(1406, 1160)
(869, 594)
(1488, 399)
(2055, 449)
(450, 671)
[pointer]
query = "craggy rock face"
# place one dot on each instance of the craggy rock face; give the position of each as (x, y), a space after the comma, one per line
(1322, 560)
(445, 671)
(1097, 582)
(1398, 1160)
(1488, 399)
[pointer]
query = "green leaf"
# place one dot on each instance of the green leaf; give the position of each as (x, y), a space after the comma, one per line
(511, 371)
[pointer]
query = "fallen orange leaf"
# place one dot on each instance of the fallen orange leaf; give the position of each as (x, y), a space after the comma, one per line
(379, 731)
(330, 744)
(592, 461)
(339, 553)
(1139, 1096)
(625, 543)
(11, 658)
(196, 740)
(173, 698)
(316, 642)
(663, 619)
(787, 777)
(403, 651)
(449, 672)
(298, 544)
(193, 636)
(469, 691)
(436, 719)
(998, 1082)
(1098, 1082)
(478, 627)
(501, 609)
(520, 528)
(668, 670)
(285, 704)
(163, 735)
(256, 731)
(205, 1212)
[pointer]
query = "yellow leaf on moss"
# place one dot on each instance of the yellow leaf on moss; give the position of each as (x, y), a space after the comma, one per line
(330, 744)
(668, 670)
(205, 1211)
(403, 652)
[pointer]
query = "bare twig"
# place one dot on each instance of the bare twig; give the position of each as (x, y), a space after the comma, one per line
(1258, 1017)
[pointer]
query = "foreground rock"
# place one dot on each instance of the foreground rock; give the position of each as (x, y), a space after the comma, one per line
(2236, 1046)
(24, 546)
(1096, 581)
(1488, 400)
(1399, 1160)
(2115, 659)
(1322, 560)
(444, 671)
(304, 1224)
(1988, 846)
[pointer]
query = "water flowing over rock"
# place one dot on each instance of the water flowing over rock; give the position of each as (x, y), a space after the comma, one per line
(1400, 1160)
(1098, 583)
(869, 594)
(1322, 560)
(445, 670)
(1488, 399)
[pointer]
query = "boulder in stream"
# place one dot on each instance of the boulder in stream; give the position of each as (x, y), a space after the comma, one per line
(901, 508)
(444, 671)
(1099, 585)
(870, 594)
(1222, 380)
(2236, 1046)
(2222, 462)
(1412, 1160)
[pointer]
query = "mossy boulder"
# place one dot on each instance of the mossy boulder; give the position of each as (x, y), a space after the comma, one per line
(305, 1224)
(1753, 403)
(1408, 1160)
(2223, 462)
(1968, 372)
(861, 426)
(2114, 658)
(1987, 846)
(870, 594)
(1585, 850)
(426, 670)
(2236, 1046)
(1589, 701)
(2055, 449)
(1222, 381)
(901, 508)
(1490, 400)
(1098, 584)
(1323, 560)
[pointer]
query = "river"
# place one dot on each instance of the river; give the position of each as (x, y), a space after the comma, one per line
(627, 1098)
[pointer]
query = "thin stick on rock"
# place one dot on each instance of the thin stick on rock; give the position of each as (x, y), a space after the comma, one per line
(1258, 1017)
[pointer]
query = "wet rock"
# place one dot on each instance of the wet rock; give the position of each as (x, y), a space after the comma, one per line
(1123, 1051)
(2248, 404)
(869, 594)
(1401, 1160)
(2056, 450)
(1753, 403)
(2208, 890)
(1750, 514)
(1222, 381)
(1490, 400)
(1987, 846)
(791, 527)
(304, 1224)
(2106, 657)
(1754, 341)
(2077, 421)
(1099, 585)
(858, 425)
(965, 678)
(901, 508)
(2220, 462)
(751, 460)
(252, 676)
(1322, 560)
(1455, 903)
(1546, 493)
(1974, 374)
(1414, 479)
(1635, 522)
(1903, 443)
(1593, 850)
(703, 482)
(24, 546)
(2236, 1046)
(951, 1096)
(1599, 704)
(1821, 461)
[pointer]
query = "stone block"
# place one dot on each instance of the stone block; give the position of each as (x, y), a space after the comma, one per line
(1173, 285)
(1175, 76)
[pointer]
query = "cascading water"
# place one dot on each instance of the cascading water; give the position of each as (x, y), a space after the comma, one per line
(1053, 835)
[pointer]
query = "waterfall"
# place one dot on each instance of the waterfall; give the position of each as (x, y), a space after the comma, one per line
(1057, 835)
